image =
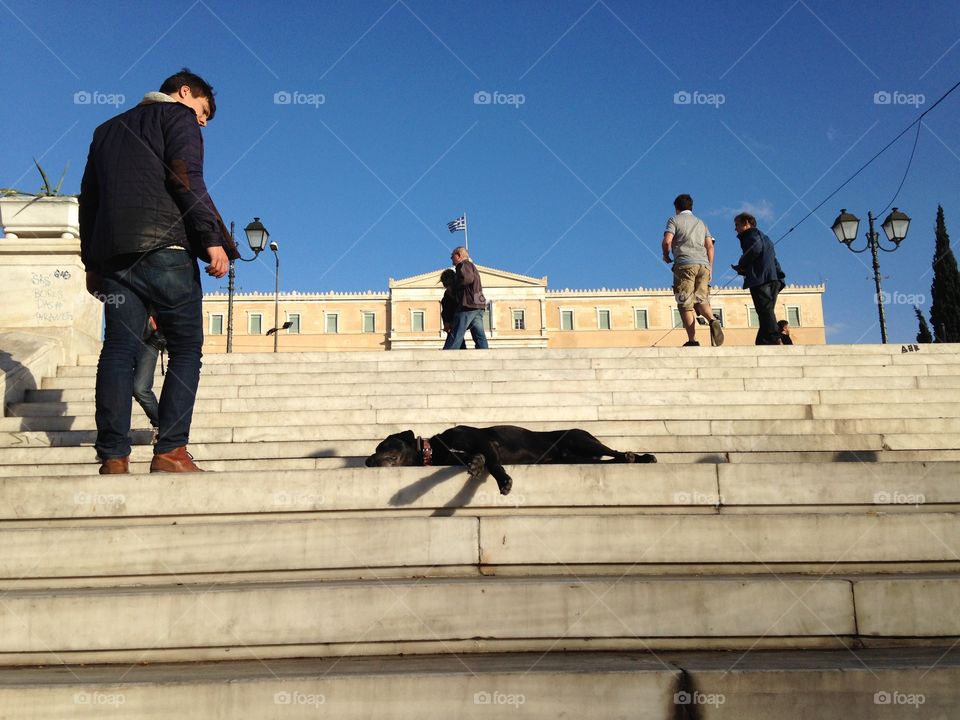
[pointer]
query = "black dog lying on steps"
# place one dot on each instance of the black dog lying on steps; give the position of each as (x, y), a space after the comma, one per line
(480, 449)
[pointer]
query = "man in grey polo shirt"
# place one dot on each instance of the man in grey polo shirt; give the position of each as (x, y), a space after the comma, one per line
(688, 237)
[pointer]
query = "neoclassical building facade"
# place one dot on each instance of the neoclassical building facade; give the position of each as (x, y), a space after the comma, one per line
(522, 312)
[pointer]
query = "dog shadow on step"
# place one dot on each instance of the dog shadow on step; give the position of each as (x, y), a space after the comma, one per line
(412, 493)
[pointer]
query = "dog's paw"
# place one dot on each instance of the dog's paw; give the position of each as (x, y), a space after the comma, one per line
(505, 485)
(646, 458)
(477, 467)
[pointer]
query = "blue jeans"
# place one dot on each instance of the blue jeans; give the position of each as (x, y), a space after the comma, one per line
(143, 373)
(168, 280)
(467, 319)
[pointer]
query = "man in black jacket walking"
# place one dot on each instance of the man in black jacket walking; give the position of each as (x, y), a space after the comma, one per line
(761, 275)
(145, 219)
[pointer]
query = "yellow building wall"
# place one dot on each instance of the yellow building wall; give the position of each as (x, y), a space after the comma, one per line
(393, 319)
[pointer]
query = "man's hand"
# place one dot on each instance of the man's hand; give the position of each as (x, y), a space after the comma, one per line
(666, 258)
(95, 285)
(219, 263)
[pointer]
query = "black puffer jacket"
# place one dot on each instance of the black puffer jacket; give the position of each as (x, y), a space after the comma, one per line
(143, 187)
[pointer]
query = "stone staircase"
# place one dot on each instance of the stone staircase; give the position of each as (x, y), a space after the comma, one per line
(795, 552)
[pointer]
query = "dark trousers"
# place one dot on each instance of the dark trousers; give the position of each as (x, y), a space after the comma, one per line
(143, 373)
(168, 280)
(765, 302)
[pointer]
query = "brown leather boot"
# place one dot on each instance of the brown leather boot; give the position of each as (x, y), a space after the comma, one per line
(115, 466)
(175, 461)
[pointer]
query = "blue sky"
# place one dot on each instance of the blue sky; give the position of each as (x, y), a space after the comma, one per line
(571, 168)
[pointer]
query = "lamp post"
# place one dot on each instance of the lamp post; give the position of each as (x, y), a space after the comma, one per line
(257, 239)
(276, 296)
(894, 227)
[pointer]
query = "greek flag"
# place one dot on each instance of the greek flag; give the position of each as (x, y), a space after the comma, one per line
(459, 224)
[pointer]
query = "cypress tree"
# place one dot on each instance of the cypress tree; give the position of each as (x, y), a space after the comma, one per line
(924, 335)
(945, 292)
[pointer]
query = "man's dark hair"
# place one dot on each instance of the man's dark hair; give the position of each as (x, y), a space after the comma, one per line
(198, 86)
(683, 202)
(781, 324)
(747, 218)
(448, 277)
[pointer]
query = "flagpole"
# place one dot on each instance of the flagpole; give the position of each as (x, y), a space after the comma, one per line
(466, 240)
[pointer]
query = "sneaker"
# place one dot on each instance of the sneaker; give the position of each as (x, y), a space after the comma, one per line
(691, 343)
(716, 333)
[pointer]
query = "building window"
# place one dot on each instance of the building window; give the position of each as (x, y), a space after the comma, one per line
(294, 320)
(332, 323)
(518, 320)
(677, 320)
(216, 324)
(793, 315)
(753, 319)
(417, 320)
(566, 319)
(255, 324)
(603, 319)
(488, 319)
(369, 322)
(640, 319)
(718, 314)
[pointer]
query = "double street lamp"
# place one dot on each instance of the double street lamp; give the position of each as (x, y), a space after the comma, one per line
(895, 227)
(257, 236)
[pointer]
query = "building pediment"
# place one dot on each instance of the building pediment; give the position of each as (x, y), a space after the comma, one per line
(491, 278)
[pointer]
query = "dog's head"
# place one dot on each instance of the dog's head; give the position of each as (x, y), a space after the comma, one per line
(397, 450)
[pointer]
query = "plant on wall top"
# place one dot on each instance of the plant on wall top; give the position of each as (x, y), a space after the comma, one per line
(46, 190)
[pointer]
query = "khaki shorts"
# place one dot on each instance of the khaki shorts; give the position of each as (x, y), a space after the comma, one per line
(691, 285)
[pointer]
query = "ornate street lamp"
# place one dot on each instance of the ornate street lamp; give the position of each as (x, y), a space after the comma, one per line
(257, 239)
(276, 296)
(895, 227)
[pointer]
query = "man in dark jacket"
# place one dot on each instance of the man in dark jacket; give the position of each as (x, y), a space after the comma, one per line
(145, 219)
(472, 303)
(761, 275)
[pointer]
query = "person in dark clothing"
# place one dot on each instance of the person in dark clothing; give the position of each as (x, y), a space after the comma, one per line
(784, 330)
(449, 303)
(470, 303)
(761, 275)
(145, 219)
(154, 343)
